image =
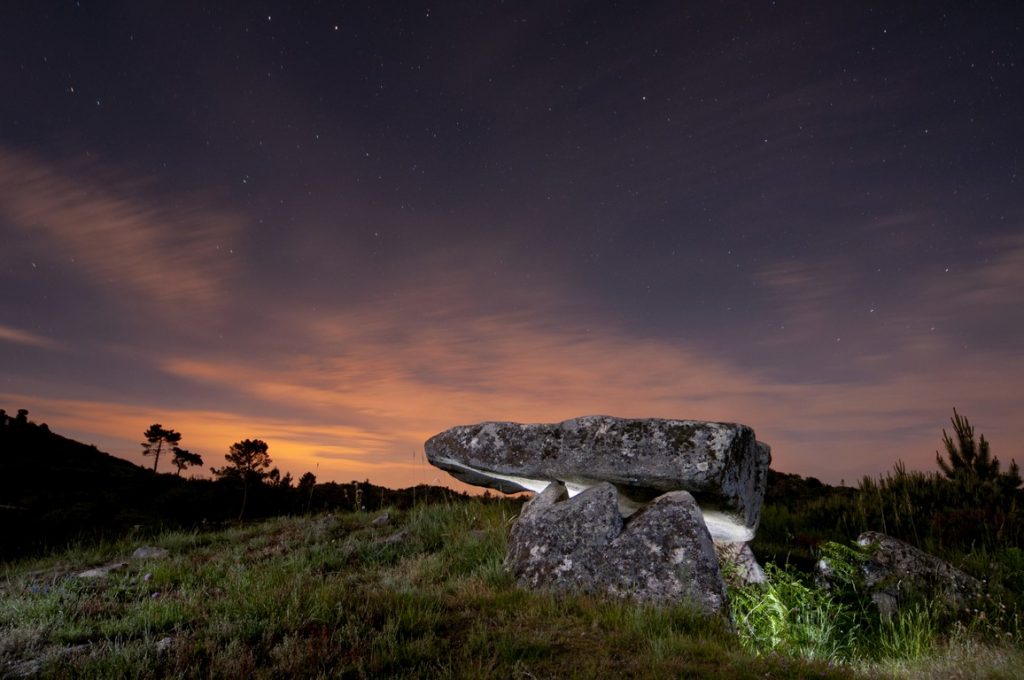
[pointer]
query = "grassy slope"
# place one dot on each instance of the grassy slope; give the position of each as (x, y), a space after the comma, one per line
(425, 596)
(334, 595)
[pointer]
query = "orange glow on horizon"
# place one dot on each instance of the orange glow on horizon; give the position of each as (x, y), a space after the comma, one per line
(367, 415)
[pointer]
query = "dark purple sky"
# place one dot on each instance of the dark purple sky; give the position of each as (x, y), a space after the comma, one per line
(342, 229)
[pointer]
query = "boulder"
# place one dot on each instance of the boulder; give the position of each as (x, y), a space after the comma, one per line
(895, 570)
(148, 552)
(661, 554)
(721, 464)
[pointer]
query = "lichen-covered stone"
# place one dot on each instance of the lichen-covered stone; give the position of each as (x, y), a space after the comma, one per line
(554, 542)
(721, 464)
(663, 554)
(895, 570)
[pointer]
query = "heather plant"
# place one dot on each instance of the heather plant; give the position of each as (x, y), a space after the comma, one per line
(938, 514)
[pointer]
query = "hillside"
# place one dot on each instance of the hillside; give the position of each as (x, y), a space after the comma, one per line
(423, 596)
(420, 593)
(55, 490)
(411, 583)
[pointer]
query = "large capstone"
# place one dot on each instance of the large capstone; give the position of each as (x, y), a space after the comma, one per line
(661, 554)
(722, 465)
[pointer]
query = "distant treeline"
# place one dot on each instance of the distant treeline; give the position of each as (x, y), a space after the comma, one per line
(54, 490)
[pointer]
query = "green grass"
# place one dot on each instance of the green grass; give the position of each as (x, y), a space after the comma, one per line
(424, 596)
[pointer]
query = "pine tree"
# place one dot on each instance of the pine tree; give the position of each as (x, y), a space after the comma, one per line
(157, 441)
(970, 461)
(248, 461)
(183, 458)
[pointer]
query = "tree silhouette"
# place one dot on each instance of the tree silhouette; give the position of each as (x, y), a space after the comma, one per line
(970, 461)
(305, 487)
(247, 461)
(183, 458)
(157, 441)
(281, 481)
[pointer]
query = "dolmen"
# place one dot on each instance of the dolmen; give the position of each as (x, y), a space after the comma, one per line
(631, 508)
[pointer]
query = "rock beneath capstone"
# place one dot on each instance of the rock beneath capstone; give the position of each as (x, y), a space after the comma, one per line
(896, 570)
(738, 563)
(148, 552)
(662, 554)
(721, 464)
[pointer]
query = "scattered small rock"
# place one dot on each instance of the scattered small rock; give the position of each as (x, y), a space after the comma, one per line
(164, 644)
(396, 538)
(102, 572)
(24, 669)
(31, 668)
(147, 552)
(381, 520)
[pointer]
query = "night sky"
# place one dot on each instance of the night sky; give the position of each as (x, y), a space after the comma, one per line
(342, 229)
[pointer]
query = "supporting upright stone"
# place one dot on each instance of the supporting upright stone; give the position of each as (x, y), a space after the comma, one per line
(555, 542)
(662, 554)
(665, 554)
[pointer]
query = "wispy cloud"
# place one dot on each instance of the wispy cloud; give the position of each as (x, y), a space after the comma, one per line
(891, 319)
(357, 389)
(167, 255)
(409, 386)
(23, 337)
(370, 387)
